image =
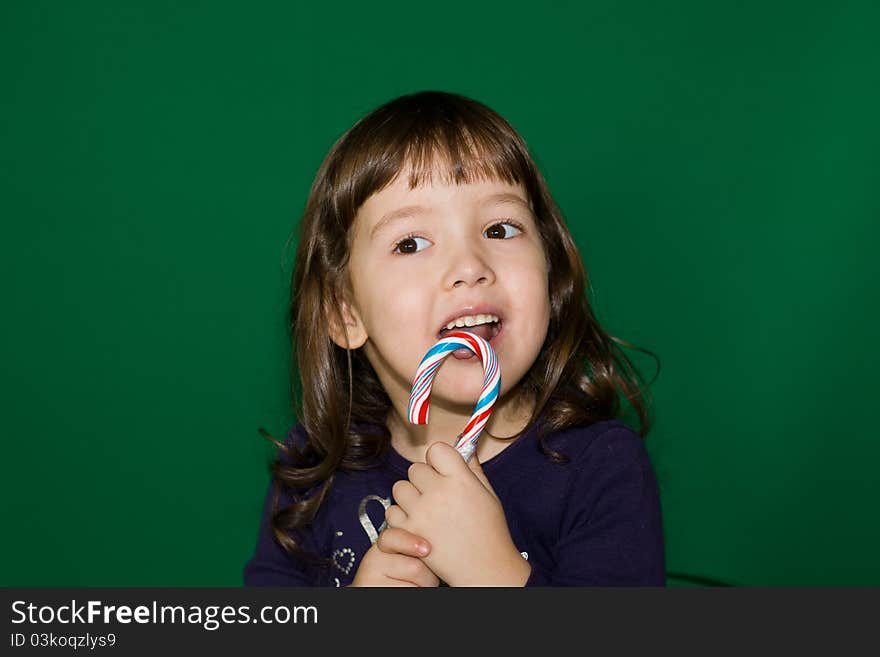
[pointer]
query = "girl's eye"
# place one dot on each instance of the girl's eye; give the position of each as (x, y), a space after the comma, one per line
(408, 245)
(502, 230)
(497, 231)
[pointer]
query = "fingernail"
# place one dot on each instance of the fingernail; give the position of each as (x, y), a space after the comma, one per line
(422, 548)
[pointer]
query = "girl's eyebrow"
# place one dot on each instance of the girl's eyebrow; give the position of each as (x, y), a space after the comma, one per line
(400, 213)
(506, 197)
(409, 211)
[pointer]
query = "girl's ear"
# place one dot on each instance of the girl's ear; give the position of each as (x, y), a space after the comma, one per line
(353, 327)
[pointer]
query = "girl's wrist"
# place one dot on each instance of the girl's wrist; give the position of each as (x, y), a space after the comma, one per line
(519, 571)
(510, 571)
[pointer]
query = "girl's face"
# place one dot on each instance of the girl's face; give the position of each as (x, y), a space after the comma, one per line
(423, 258)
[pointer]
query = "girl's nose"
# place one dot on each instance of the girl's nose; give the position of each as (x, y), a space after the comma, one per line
(468, 267)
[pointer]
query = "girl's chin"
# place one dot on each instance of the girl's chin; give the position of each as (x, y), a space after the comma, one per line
(461, 399)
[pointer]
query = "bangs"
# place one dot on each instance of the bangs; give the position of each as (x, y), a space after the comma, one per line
(434, 138)
(456, 154)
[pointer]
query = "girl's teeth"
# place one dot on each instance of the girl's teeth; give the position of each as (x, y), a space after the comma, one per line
(471, 320)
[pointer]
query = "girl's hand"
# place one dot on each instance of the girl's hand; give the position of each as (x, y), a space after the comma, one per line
(453, 505)
(394, 560)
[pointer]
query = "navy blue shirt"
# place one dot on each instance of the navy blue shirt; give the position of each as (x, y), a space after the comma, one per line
(594, 521)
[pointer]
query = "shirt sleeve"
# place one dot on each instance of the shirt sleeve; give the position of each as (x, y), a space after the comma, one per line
(611, 532)
(270, 564)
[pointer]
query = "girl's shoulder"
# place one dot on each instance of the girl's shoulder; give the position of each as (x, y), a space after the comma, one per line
(296, 436)
(296, 450)
(293, 461)
(599, 441)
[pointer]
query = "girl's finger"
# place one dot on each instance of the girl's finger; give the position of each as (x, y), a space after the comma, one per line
(442, 458)
(405, 494)
(394, 540)
(391, 581)
(421, 475)
(395, 516)
(410, 569)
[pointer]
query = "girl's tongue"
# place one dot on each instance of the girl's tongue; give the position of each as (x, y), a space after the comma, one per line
(485, 331)
(463, 354)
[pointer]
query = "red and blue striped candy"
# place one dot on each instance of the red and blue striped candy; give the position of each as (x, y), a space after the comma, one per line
(420, 397)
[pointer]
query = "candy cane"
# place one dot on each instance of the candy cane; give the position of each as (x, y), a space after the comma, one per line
(420, 397)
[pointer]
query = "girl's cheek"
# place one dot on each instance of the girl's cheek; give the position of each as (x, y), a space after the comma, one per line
(413, 264)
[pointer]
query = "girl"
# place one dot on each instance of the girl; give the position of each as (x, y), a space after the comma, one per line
(429, 215)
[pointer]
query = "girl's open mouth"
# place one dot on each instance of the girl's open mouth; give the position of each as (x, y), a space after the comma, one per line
(488, 331)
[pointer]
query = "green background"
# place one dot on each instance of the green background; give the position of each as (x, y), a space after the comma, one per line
(718, 164)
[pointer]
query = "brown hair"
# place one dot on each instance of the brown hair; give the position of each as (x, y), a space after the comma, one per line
(575, 379)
